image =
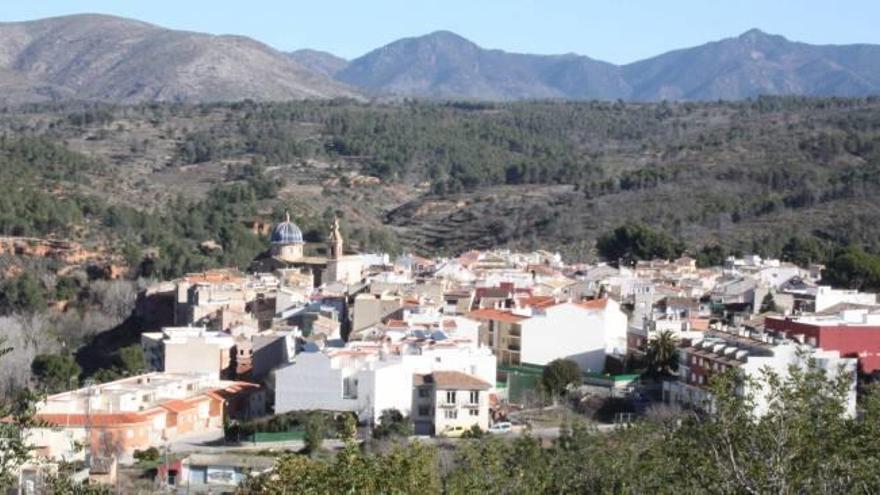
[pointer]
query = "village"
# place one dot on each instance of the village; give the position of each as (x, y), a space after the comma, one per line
(450, 347)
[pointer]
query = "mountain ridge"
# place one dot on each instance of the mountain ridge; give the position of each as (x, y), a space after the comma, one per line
(319, 61)
(747, 65)
(107, 58)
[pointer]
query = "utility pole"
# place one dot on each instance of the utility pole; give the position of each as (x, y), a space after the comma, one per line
(88, 422)
(165, 445)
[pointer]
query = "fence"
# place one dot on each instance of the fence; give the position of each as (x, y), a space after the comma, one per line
(275, 436)
(521, 380)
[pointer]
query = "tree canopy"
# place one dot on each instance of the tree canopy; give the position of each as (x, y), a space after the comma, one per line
(662, 355)
(393, 423)
(23, 293)
(560, 374)
(632, 242)
(56, 372)
(853, 268)
(802, 442)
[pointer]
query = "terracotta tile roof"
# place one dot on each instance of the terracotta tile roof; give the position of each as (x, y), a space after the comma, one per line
(493, 292)
(117, 419)
(699, 323)
(594, 304)
(469, 257)
(537, 301)
(232, 390)
(213, 277)
(179, 405)
(495, 314)
(216, 394)
(456, 380)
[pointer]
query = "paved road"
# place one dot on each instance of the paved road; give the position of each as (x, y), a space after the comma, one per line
(213, 442)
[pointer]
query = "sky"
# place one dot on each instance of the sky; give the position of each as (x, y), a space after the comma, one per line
(617, 31)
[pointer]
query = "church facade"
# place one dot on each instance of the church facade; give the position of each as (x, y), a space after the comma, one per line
(287, 251)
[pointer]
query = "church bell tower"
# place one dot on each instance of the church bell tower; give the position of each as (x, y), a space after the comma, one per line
(335, 240)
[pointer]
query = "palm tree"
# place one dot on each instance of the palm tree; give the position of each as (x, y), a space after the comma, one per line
(663, 353)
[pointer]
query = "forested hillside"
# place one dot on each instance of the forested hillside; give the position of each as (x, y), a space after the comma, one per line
(445, 177)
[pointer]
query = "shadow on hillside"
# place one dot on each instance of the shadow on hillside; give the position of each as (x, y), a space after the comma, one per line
(101, 351)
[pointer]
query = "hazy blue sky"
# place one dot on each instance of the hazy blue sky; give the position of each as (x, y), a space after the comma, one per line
(613, 30)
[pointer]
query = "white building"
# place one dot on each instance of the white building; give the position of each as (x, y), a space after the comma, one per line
(775, 276)
(189, 350)
(721, 351)
(367, 378)
(583, 332)
(448, 403)
(827, 297)
(586, 332)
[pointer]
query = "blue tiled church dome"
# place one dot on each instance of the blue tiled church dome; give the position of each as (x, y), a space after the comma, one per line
(286, 232)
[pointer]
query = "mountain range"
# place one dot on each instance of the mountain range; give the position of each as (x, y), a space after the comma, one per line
(98, 57)
(445, 65)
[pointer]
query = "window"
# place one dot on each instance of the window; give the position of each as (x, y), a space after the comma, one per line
(423, 392)
(424, 411)
(350, 388)
(450, 414)
(474, 412)
(450, 396)
(474, 397)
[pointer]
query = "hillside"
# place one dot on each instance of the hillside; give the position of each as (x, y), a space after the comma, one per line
(444, 178)
(321, 62)
(121, 60)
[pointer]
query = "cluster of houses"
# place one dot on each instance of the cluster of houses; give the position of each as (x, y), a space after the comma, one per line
(438, 339)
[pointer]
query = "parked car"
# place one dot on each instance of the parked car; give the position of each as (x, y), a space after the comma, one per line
(502, 427)
(453, 431)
